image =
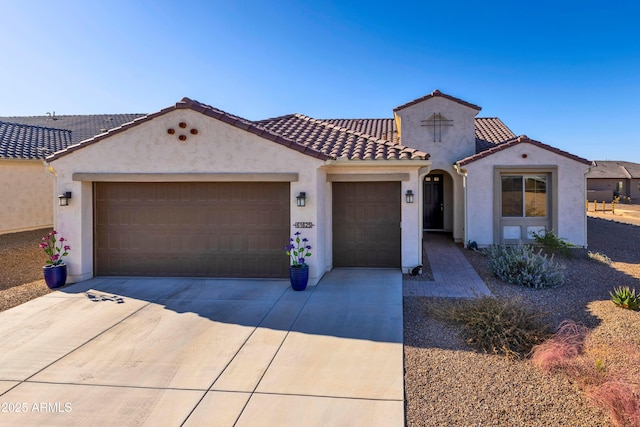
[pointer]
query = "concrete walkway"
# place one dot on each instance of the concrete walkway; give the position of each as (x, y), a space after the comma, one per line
(453, 276)
(194, 352)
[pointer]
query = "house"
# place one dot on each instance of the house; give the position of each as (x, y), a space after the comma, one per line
(609, 179)
(24, 143)
(27, 189)
(194, 191)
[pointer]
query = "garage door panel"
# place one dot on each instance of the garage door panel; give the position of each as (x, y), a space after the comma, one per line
(366, 224)
(192, 229)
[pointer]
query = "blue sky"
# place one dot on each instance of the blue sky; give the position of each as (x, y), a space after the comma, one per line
(564, 72)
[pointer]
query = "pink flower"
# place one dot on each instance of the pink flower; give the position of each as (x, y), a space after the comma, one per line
(61, 239)
(55, 257)
(43, 245)
(67, 247)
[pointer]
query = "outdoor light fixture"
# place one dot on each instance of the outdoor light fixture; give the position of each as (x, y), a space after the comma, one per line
(300, 199)
(409, 196)
(63, 199)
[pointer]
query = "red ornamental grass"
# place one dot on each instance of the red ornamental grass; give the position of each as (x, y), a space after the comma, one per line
(560, 351)
(621, 399)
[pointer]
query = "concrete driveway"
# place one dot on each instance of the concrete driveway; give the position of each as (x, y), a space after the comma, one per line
(170, 352)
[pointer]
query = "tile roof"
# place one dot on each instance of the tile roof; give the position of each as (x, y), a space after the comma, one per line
(519, 140)
(490, 131)
(337, 141)
(379, 128)
(81, 126)
(207, 110)
(437, 93)
(19, 141)
(615, 169)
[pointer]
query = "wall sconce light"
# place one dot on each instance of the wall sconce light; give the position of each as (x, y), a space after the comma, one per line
(63, 199)
(300, 199)
(409, 196)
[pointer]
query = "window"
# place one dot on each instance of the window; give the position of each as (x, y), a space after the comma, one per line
(524, 195)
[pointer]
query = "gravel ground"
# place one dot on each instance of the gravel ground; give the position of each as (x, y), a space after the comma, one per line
(448, 384)
(21, 268)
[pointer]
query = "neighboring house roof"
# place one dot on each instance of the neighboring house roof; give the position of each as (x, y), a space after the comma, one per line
(437, 93)
(81, 126)
(207, 110)
(615, 170)
(19, 141)
(337, 141)
(523, 139)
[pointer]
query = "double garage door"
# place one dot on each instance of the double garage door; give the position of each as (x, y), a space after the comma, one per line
(207, 229)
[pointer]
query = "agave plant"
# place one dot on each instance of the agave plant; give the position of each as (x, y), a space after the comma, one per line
(625, 297)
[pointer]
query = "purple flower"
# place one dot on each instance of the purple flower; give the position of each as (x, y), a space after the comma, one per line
(297, 233)
(62, 239)
(308, 247)
(67, 247)
(43, 245)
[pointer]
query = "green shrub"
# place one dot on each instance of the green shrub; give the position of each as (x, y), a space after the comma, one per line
(624, 297)
(520, 265)
(553, 243)
(507, 327)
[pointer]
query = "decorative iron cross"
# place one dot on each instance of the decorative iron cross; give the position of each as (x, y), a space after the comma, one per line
(437, 122)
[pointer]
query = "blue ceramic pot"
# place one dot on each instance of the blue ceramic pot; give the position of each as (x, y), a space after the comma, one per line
(299, 277)
(55, 275)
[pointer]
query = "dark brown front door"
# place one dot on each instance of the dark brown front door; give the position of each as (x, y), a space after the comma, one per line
(206, 229)
(433, 218)
(366, 224)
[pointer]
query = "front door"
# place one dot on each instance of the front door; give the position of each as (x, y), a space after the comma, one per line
(433, 210)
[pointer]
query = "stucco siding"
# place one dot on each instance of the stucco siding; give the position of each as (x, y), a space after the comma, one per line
(148, 148)
(27, 196)
(567, 200)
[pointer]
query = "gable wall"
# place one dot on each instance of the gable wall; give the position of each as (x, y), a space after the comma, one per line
(458, 142)
(570, 187)
(147, 148)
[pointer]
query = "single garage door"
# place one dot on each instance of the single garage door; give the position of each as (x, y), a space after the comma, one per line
(366, 224)
(196, 229)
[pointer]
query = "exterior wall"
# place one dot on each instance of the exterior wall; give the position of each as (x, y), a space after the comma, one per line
(217, 148)
(602, 189)
(410, 212)
(27, 194)
(567, 198)
(635, 190)
(458, 142)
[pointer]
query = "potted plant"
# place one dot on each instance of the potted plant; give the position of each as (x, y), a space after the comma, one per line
(55, 272)
(298, 250)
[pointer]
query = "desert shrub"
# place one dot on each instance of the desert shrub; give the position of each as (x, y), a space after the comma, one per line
(597, 256)
(553, 243)
(520, 265)
(507, 327)
(624, 297)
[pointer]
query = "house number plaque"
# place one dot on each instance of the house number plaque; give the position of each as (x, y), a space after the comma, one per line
(303, 225)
